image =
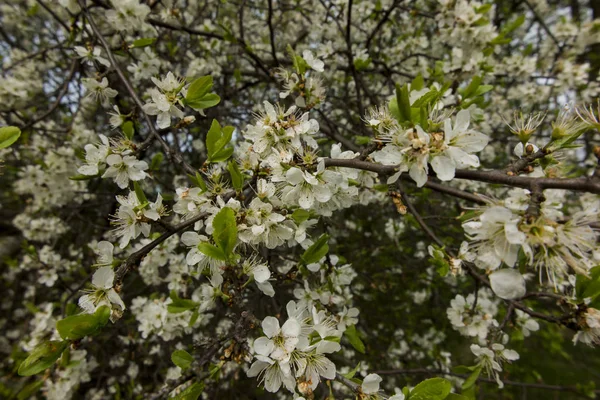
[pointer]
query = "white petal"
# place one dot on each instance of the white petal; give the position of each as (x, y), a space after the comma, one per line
(103, 278)
(370, 384)
(508, 284)
(444, 167)
(261, 273)
(270, 326)
(263, 346)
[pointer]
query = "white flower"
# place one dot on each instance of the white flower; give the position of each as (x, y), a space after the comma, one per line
(124, 169)
(508, 284)
(458, 142)
(313, 62)
(116, 118)
(103, 292)
(306, 189)
(99, 90)
(104, 250)
(496, 237)
(491, 359)
(274, 374)
(89, 55)
(94, 155)
(590, 328)
(127, 15)
(147, 66)
(370, 384)
(131, 219)
(278, 343)
(264, 226)
(163, 108)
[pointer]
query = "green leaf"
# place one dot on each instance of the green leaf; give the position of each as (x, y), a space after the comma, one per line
(128, 130)
(508, 28)
(209, 100)
(431, 389)
(472, 87)
(237, 179)
(225, 230)
(470, 381)
(42, 357)
(300, 215)
(179, 305)
(156, 161)
(454, 396)
(182, 359)
(354, 339)
(139, 193)
(351, 374)
(212, 251)
(8, 135)
(81, 325)
(143, 42)
(222, 155)
(30, 390)
(212, 137)
(199, 88)
(418, 83)
(483, 89)
(318, 249)
(403, 102)
(81, 177)
(216, 140)
(191, 393)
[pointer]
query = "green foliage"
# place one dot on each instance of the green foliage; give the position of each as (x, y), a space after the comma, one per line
(237, 179)
(78, 326)
(216, 140)
(318, 249)
(8, 135)
(139, 193)
(128, 129)
(143, 42)
(198, 96)
(225, 231)
(431, 389)
(589, 287)
(179, 305)
(42, 357)
(182, 359)
(352, 335)
(193, 392)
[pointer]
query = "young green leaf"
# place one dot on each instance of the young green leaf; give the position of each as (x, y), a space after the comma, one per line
(212, 251)
(207, 101)
(318, 249)
(42, 357)
(431, 389)
(179, 305)
(128, 130)
(199, 88)
(225, 230)
(143, 42)
(470, 381)
(8, 135)
(81, 325)
(352, 336)
(182, 359)
(139, 193)
(237, 179)
(403, 101)
(193, 392)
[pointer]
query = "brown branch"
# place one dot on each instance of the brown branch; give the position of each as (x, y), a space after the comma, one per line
(583, 184)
